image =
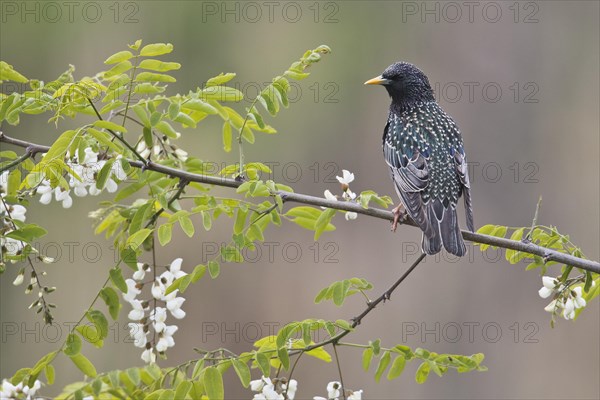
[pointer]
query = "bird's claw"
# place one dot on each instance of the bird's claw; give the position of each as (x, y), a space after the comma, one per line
(400, 216)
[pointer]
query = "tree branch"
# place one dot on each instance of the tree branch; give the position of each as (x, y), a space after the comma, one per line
(526, 247)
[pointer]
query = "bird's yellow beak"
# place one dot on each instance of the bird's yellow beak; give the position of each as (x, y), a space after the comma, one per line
(378, 80)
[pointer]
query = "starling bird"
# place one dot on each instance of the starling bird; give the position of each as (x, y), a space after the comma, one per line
(424, 150)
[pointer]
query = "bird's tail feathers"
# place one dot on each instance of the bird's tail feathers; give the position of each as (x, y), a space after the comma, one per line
(445, 231)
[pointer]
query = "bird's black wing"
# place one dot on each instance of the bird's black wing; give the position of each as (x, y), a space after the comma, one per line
(408, 170)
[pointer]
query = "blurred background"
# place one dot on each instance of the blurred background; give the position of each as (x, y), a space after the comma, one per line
(521, 80)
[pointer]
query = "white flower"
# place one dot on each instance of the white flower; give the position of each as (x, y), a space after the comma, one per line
(136, 331)
(12, 246)
(148, 356)
(138, 310)
(117, 169)
(46, 192)
(291, 389)
(319, 398)
(357, 395)
(174, 304)
(132, 290)
(4, 181)
(10, 391)
(158, 290)
(63, 196)
(549, 287)
(350, 215)
(259, 384)
(333, 388)
(569, 311)
(141, 272)
(346, 178)
(578, 300)
(329, 195)
(142, 149)
(30, 391)
(19, 279)
(270, 393)
(159, 316)
(181, 154)
(552, 306)
(16, 211)
(175, 268)
(349, 195)
(166, 339)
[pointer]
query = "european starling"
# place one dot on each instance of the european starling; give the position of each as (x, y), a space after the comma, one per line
(424, 150)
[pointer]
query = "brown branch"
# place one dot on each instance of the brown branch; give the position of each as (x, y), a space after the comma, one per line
(526, 247)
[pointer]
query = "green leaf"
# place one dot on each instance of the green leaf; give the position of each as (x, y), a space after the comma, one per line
(100, 322)
(199, 105)
(397, 367)
(198, 273)
(116, 276)
(383, 364)
(323, 222)
(160, 66)
(118, 57)
(486, 229)
(104, 174)
(50, 374)
(90, 334)
(166, 128)
(164, 234)
(182, 389)
(60, 146)
(154, 77)
(103, 139)
(7, 73)
(213, 269)
(220, 79)
(186, 225)
(242, 371)
(134, 241)
(111, 126)
(227, 136)
(84, 365)
(240, 221)
(111, 299)
(222, 93)
(206, 220)
(284, 357)
(213, 383)
(156, 49)
(367, 356)
(422, 372)
(263, 363)
(72, 345)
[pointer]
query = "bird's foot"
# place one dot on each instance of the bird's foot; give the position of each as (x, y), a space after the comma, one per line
(400, 215)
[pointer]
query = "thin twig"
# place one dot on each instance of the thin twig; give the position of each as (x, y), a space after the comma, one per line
(531, 248)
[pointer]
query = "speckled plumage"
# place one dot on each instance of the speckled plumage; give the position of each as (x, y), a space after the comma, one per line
(423, 148)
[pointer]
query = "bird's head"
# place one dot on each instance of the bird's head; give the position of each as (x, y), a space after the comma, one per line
(405, 83)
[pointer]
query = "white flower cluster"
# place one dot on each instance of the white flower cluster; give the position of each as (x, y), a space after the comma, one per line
(15, 212)
(566, 300)
(144, 317)
(87, 169)
(158, 150)
(279, 389)
(269, 390)
(334, 391)
(348, 195)
(10, 391)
